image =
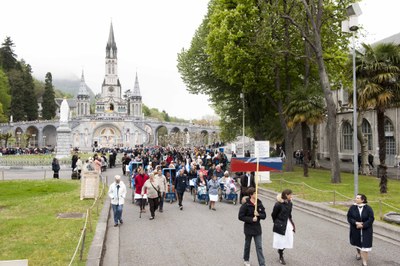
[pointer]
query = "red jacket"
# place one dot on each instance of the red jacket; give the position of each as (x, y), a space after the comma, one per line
(139, 181)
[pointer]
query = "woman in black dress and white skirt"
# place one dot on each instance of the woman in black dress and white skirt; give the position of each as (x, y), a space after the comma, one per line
(361, 217)
(284, 227)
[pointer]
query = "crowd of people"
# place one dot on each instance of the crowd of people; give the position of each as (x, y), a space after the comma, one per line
(20, 151)
(203, 171)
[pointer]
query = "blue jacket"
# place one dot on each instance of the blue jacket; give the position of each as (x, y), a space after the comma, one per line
(213, 187)
(181, 182)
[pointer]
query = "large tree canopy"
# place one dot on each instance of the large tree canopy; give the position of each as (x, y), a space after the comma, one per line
(270, 51)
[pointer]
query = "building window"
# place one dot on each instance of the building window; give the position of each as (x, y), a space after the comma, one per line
(347, 136)
(390, 140)
(367, 132)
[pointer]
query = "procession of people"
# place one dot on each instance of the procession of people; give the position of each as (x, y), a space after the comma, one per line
(150, 186)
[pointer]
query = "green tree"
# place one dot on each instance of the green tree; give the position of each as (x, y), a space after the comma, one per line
(378, 86)
(165, 116)
(306, 110)
(29, 95)
(8, 60)
(5, 97)
(17, 85)
(49, 106)
(146, 110)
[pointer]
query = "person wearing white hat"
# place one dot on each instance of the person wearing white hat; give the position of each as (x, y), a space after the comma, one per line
(117, 194)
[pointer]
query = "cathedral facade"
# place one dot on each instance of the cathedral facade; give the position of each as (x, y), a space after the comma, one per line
(116, 121)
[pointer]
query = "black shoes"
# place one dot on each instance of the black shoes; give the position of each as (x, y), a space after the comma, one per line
(115, 225)
(151, 218)
(121, 222)
(181, 207)
(282, 261)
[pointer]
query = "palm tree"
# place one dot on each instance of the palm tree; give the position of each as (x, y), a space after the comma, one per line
(378, 84)
(306, 110)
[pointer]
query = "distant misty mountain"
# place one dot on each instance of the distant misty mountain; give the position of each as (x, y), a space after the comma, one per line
(71, 86)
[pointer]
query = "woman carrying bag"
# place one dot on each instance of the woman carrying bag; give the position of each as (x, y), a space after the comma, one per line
(153, 193)
(284, 227)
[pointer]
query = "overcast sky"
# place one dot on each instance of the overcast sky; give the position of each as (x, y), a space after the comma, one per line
(64, 37)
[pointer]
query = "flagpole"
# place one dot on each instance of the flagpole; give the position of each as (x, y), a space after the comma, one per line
(256, 181)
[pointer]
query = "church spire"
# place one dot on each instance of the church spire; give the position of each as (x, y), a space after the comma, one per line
(136, 88)
(111, 48)
(83, 88)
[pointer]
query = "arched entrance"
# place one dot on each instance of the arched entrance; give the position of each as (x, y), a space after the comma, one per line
(162, 137)
(32, 134)
(49, 137)
(107, 136)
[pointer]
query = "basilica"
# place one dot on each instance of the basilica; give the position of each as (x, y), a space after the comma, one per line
(116, 120)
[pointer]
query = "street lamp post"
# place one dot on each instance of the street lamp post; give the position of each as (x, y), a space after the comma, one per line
(242, 97)
(351, 25)
(44, 141)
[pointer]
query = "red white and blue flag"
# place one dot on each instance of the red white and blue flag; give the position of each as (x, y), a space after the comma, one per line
(246, 164)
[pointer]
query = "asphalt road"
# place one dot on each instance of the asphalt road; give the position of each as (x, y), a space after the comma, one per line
(199, 236)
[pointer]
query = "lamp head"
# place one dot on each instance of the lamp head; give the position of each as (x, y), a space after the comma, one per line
(354, 10)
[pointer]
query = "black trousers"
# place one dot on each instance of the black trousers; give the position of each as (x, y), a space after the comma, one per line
(180, 197)
(153, 203)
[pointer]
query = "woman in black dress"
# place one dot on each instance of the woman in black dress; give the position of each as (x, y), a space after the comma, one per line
(361, 217)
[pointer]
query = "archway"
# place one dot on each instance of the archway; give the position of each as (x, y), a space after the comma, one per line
(162, 137)
(107, 136)
(49, 136)
(32, 134)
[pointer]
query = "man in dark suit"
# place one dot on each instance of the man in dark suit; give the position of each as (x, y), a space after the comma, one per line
(246, 181)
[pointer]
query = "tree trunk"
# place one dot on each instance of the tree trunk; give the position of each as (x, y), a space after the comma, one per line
(380, 114)
(363, 146)
(306, 149)
(331, 123)
(314, 150)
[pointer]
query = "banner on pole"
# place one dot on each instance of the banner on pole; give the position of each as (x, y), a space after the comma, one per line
(244, 164)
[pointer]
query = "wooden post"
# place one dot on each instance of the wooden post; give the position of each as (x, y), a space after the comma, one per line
(380, 210)
(334, 197)
(89, 212)
(83, 244)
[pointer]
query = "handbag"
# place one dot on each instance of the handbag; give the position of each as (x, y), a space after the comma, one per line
(158, 192)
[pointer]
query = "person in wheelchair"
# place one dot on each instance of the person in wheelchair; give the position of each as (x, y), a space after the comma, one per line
(229, 183)
(201, 184)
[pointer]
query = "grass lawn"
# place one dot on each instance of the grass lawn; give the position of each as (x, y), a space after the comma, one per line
(29, 227)
(318, 187)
